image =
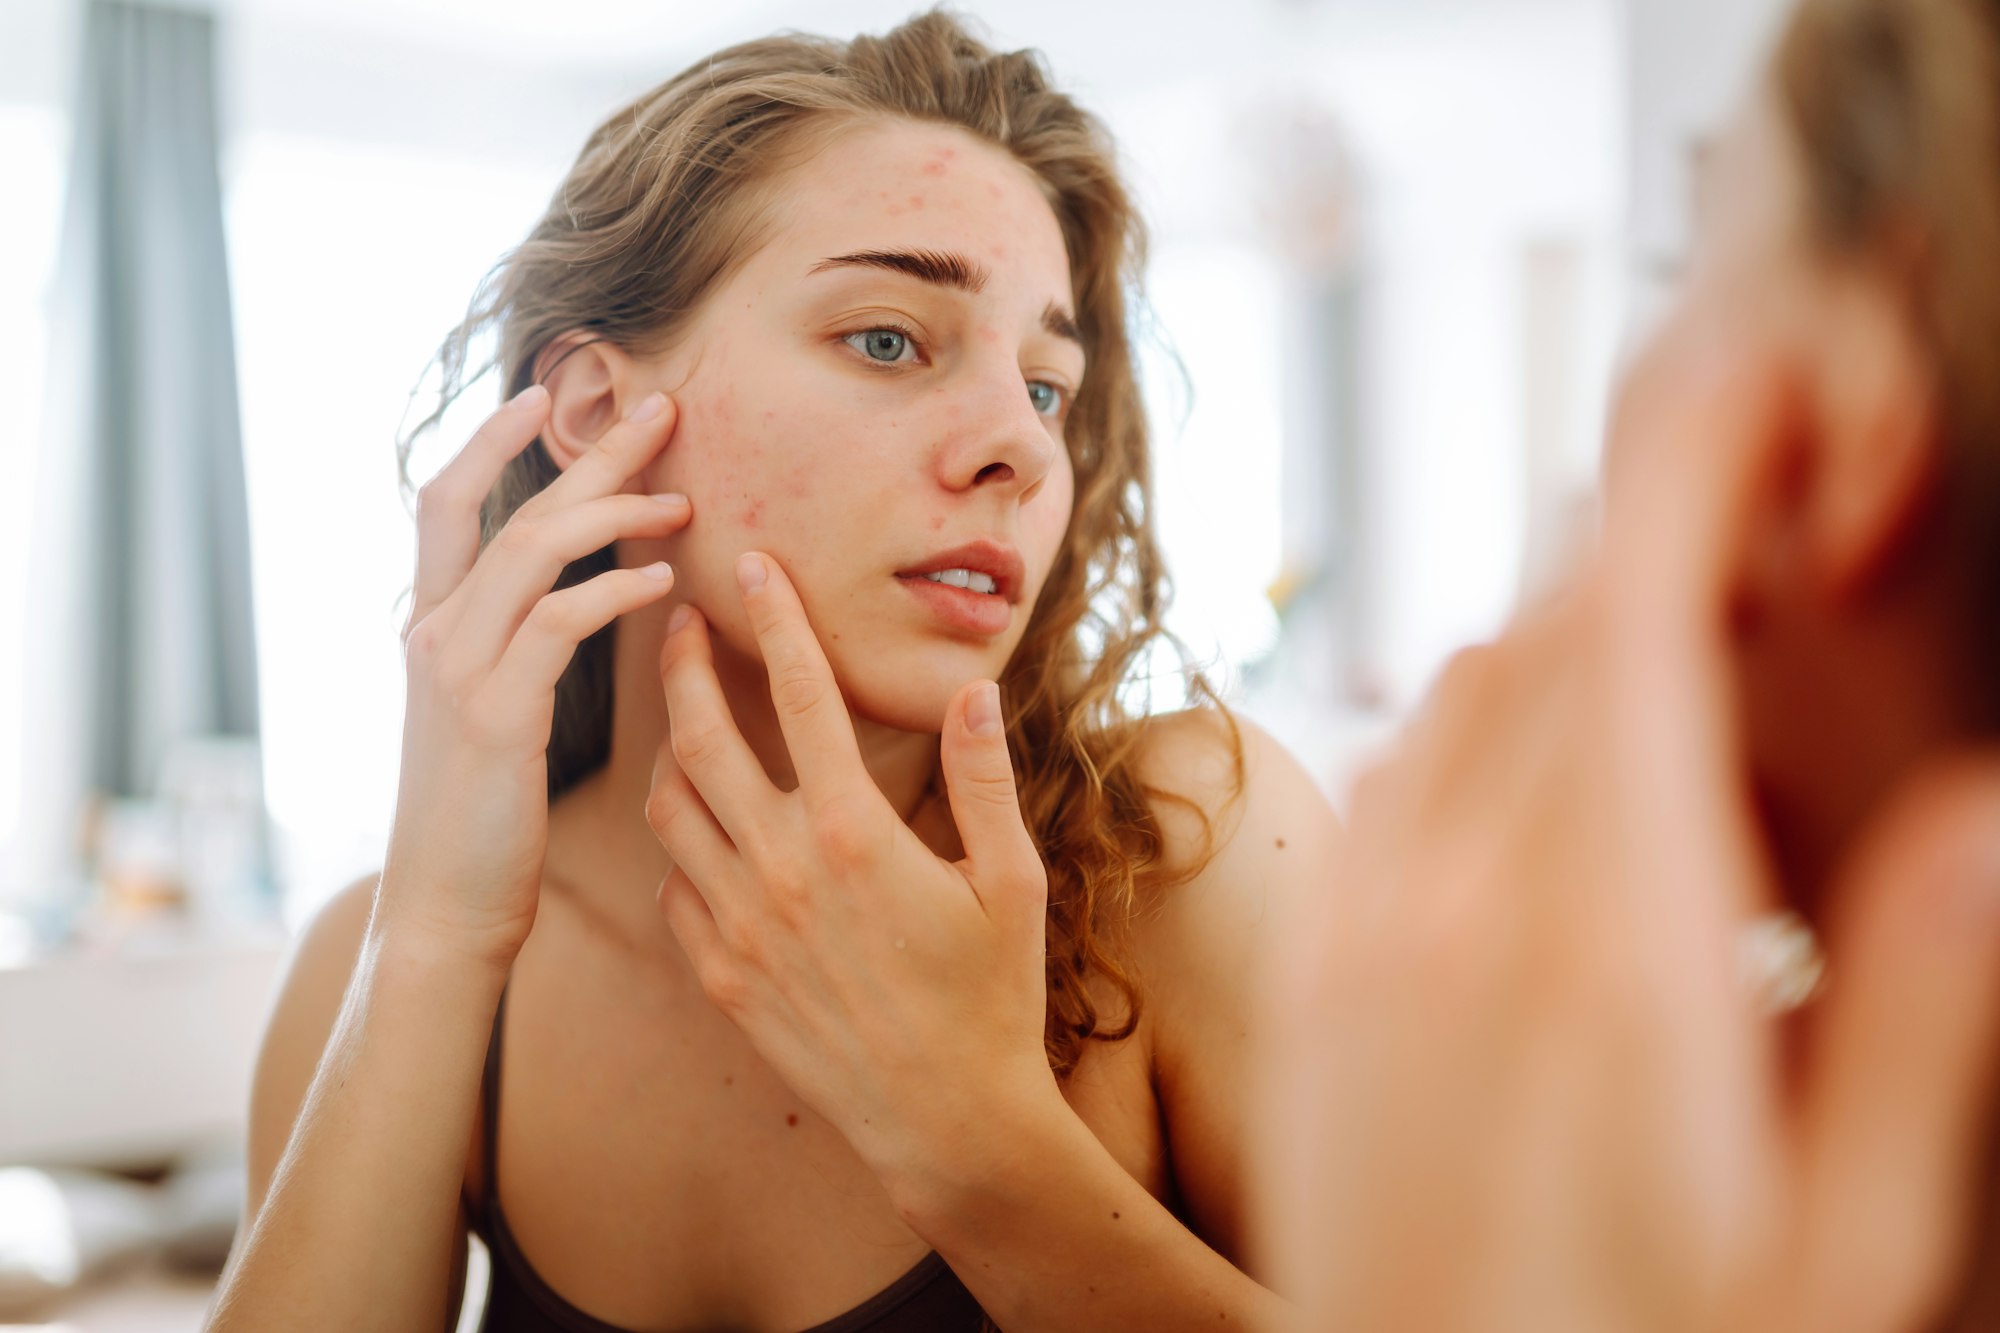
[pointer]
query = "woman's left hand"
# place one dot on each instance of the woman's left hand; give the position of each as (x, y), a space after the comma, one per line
(899, 994)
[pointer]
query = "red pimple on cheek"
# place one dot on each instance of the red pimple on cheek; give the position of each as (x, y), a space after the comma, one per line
(916, 201)
(753, 517)
(937, 522)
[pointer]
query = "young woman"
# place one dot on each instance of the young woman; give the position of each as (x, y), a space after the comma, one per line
(1540, 1088)
(743, 957)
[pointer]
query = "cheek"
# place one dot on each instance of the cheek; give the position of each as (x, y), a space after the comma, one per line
(1046, 518)
(729, 456)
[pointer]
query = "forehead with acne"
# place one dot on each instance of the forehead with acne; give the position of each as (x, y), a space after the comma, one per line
(896, 182)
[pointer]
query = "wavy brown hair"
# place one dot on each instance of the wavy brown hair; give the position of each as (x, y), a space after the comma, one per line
(1893, 107)
(672, 193)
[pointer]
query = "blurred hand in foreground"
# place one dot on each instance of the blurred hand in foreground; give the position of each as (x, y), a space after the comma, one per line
(1520, 1082)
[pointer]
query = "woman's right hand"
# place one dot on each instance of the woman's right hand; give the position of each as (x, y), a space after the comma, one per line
(485, 644)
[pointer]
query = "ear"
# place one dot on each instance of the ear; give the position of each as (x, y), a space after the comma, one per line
(592, 384)
(1876, 446)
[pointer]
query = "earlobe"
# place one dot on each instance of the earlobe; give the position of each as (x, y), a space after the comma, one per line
(587, 379)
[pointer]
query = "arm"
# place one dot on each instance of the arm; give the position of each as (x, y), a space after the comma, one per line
(360, 1137)
(360, 1118)
(1037, 1219)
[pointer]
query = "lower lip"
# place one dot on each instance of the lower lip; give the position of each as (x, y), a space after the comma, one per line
(966, 611)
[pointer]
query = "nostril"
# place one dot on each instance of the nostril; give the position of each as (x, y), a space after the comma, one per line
(994, 472)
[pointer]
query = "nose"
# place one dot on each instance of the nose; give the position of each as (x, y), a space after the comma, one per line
(999, 443)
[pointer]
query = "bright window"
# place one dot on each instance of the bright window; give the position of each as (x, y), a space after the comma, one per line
(32, 143)
(349, 264)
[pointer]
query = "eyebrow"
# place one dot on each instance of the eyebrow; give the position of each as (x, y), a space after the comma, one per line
(1060, 323)
(934, 266)
(942, 268)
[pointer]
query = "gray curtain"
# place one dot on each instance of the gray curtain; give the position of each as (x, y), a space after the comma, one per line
(143, 545)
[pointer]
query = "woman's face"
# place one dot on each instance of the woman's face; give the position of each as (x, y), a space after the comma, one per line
(877, 398)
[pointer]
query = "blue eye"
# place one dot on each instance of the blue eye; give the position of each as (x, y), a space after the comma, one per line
(880, 344)
(1046, 397)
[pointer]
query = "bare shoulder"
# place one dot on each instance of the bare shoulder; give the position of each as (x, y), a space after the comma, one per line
(307, 1007)
(1254, 838)
(1252, 831)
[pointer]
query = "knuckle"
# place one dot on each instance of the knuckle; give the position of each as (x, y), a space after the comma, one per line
(438, 498)
(521, 536)
(841, 837)
(696, 746)
(558, 615)
(422, 645)
(661, 810)
(726, 988)
(995, 786)
(797, 688)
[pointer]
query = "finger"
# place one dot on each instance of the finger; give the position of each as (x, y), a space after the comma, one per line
(1697, 440)
(686, 827)
(448, 504)
(1695, 435)
(692, 923)
(818, 731)
(524, 560)
(702, 739)
(1000, 854)
(615, 459)
(548, 638)
(1899, 1087)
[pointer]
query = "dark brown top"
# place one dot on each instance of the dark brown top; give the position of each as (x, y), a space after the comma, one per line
(927, 1299)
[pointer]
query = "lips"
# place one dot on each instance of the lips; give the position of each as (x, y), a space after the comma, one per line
(998, 562)
(950, 585)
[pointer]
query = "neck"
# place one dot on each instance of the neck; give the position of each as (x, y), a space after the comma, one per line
(599, 843)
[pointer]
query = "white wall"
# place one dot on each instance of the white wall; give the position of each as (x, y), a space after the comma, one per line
(1689, 64)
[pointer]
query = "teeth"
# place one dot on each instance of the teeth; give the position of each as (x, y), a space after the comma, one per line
(964, 578)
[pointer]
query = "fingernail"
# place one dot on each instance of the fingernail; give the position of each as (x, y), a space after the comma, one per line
(750, 571)
(672, 500)
(982, 710)
(679, 619)
(648, 408)
(534, 393)
(659, 569)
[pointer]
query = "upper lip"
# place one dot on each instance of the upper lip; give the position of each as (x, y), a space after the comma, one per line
(997, 560)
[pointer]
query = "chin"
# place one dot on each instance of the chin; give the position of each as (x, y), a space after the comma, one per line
(909, 706)
(913, 698)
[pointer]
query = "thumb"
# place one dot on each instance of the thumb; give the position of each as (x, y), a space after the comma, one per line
(979, 781)
(1898, 1090)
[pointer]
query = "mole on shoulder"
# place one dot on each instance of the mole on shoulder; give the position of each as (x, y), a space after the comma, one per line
(1281, 844)
(792, 1119)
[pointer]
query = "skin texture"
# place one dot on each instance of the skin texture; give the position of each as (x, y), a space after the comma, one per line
(752, 1109)
(1529, 1088)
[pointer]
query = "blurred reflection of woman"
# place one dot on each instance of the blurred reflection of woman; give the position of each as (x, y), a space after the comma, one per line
(1537, 1088)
